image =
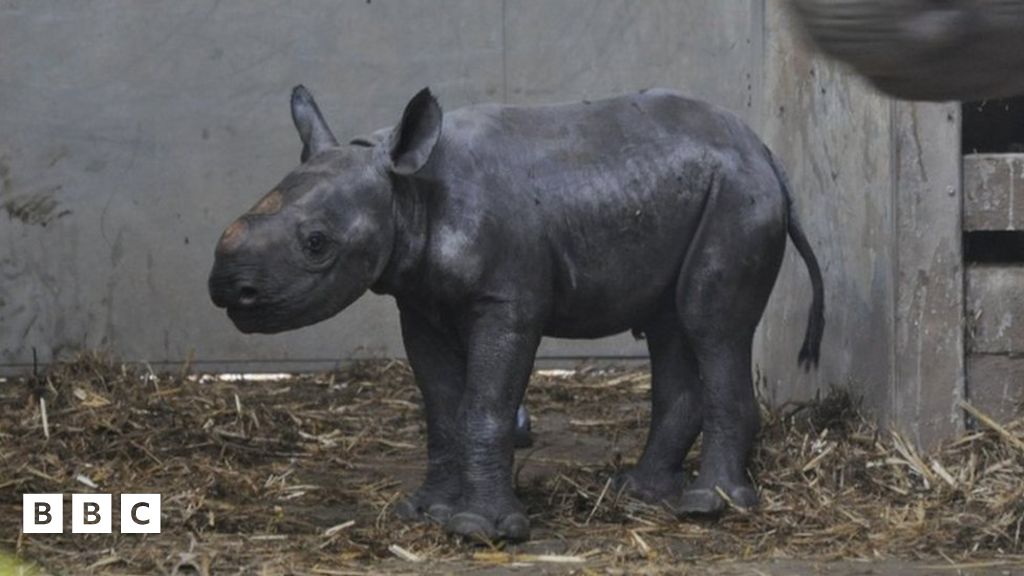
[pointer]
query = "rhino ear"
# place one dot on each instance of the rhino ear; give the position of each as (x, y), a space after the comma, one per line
(313, 130)
(414, 138)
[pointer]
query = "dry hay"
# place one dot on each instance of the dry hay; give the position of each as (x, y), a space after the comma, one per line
(299, 476)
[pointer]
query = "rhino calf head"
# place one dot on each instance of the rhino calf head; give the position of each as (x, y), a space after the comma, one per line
(325, 234)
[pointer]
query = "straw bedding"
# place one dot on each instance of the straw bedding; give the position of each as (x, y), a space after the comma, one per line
(300, 476)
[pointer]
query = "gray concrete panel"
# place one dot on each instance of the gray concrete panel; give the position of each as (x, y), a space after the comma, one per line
(135, 131)
(929, 273)
(877, 184)
(574, 49)
(994, 192)
(832, 134)
(996, 384)
(995, 310)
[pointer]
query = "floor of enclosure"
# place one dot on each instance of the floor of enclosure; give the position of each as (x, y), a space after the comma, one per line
(300, 475)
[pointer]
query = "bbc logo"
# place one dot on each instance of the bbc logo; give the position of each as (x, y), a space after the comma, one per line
(90, 513)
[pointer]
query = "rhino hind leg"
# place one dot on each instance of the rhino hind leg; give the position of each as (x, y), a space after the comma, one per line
(721, 294)
(730, 426)
(675, 413)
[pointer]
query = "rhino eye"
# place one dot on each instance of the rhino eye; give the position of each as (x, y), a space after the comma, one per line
(316, 243)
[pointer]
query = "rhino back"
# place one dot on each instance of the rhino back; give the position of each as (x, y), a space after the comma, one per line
(585, 132)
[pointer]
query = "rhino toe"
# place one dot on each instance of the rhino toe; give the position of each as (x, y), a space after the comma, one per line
(422, 506)
(651, 488)
(515, 527)
(709, 502)
(440, 512)
(472, 525)
(699, 502)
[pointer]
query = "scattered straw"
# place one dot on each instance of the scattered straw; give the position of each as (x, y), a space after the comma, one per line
(404, 554)
(301, 474)
(988, 422)
(42, 416)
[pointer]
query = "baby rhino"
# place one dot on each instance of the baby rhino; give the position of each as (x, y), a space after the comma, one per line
(493, 226)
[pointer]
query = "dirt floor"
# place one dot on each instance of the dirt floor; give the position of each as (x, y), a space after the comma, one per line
(300, 476)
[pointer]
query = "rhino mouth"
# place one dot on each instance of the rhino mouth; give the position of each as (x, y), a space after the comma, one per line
(291, 313)
(272, 319)
(259, 320)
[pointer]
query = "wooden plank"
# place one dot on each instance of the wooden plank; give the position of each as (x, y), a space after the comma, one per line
(994, 192)
(995, 384)
(929, 313)
(995, 309)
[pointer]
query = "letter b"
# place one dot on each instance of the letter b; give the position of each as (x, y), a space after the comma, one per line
(42, 513)
(90, 513)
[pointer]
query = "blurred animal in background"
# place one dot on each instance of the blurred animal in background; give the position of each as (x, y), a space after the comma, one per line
(924, 49)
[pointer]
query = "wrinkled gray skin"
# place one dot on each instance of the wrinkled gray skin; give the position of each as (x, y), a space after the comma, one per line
(493, 226)
(924, 49)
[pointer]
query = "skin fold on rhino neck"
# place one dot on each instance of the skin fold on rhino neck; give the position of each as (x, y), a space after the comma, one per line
(410, 216)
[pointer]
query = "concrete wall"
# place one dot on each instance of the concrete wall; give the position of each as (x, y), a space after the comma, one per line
(133, 131)
(832, 133)
(878, 189)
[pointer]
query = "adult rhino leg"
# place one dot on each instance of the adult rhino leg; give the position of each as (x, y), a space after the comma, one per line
(675, 412)
(439, 369)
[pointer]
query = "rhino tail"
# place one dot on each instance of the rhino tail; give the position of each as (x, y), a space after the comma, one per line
(810, 352)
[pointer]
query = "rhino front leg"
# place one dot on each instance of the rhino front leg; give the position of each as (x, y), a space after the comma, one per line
(500, 353)
(440, 370)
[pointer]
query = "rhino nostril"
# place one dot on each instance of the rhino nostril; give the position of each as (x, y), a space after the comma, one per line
(247, 295)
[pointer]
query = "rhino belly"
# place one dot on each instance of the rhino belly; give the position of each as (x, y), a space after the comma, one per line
(603, 288)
